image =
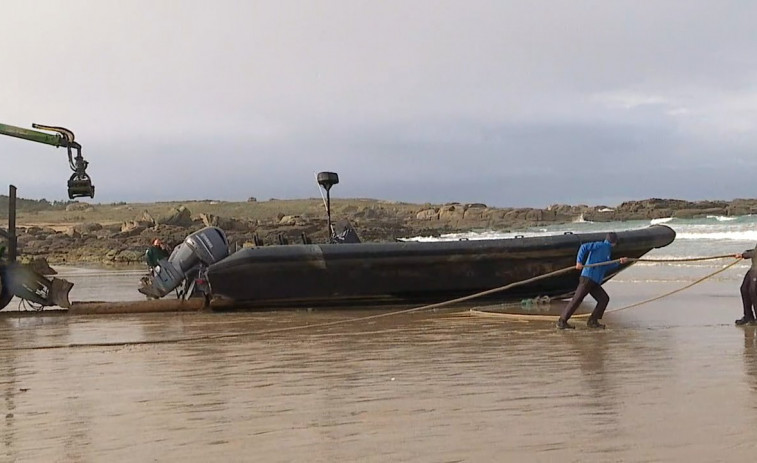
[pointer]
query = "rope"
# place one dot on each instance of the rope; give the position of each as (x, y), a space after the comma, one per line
(736, 261)
(387, 314)
(685, 259)
(637, 304)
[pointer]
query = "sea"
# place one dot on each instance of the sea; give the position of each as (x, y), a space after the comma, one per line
(702, 237)
(669, 380)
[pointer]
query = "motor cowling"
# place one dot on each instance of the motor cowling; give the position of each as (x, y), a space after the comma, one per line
(200, 249)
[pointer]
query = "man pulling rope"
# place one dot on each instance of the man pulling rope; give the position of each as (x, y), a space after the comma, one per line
(749, 289)
(590, 281)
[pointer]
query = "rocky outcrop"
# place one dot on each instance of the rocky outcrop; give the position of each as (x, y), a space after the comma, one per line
(126, 241)
(656, 208)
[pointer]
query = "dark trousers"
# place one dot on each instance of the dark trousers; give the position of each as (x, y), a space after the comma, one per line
(749, 294)
(587, 286)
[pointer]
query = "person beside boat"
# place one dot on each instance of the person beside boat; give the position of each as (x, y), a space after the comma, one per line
(590, 281)
(749, 290)
(155, 253)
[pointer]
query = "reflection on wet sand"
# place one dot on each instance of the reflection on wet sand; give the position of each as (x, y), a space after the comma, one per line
(750, 356)
(416, 387)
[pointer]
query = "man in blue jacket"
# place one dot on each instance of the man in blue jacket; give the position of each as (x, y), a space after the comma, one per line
(590, 281)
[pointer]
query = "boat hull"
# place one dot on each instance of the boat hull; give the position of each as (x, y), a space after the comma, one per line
(411, 272)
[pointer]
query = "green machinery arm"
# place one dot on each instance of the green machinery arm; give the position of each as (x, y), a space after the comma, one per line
(79, 184)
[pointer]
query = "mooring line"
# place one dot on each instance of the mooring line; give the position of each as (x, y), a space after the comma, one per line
(683, 259)
(544, 317)
(393, 313)
(706, 277)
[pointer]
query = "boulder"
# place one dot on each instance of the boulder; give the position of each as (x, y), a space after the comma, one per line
(77, 206)
(130, 256)
(113, 227)
(25, 239)
(474, 213)
(180, 216)
(87, 228)
(428, 214)
(224, 223)
(112, 253)
(33, 230)
(72, 232)
(130, 229)
(209, 220)
(534, 215)
(146, 219)
(452, 212)
(129, 226)
(288, 220)
(231, 223)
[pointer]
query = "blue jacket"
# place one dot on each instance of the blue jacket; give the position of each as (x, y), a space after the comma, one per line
(594, 253)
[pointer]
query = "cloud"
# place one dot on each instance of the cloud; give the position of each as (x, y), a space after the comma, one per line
(411, 101)
(630, 99)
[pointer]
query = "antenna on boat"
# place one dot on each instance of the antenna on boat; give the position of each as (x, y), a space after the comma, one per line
(327, 180)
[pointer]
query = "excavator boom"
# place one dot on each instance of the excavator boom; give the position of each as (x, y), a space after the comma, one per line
(79, 184)
(33, 135)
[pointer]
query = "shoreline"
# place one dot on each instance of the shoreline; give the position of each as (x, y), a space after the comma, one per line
(118, 233)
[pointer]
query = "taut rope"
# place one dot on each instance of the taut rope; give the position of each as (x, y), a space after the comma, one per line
(527, 317)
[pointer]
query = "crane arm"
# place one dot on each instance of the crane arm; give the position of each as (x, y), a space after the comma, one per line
(54, 139)
(79, 184)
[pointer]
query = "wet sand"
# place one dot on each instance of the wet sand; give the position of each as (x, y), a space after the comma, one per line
(673, 380)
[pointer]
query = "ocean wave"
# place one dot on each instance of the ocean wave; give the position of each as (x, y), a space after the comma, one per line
(721, 218)
(682, 233)
(715, 228)
(485, 235)
(726, 235)
(581, 219)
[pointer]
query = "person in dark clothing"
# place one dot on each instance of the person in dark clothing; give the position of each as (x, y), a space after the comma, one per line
(749, 290)
(155, 253)
(590, 281)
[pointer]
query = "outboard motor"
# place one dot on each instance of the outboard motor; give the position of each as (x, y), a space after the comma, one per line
(188, 260)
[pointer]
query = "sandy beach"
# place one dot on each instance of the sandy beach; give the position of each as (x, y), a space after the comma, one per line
(672, 380)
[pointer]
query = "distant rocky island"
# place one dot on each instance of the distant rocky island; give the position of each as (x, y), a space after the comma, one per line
(76, 232)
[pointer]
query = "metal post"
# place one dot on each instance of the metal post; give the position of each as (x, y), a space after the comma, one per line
(328, 215)
(12, 239)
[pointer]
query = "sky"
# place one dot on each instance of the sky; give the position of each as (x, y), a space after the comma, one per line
(508, 103)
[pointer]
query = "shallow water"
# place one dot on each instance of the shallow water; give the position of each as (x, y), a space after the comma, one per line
(672, 380)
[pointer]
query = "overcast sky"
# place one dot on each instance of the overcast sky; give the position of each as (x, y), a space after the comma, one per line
(510, 103)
